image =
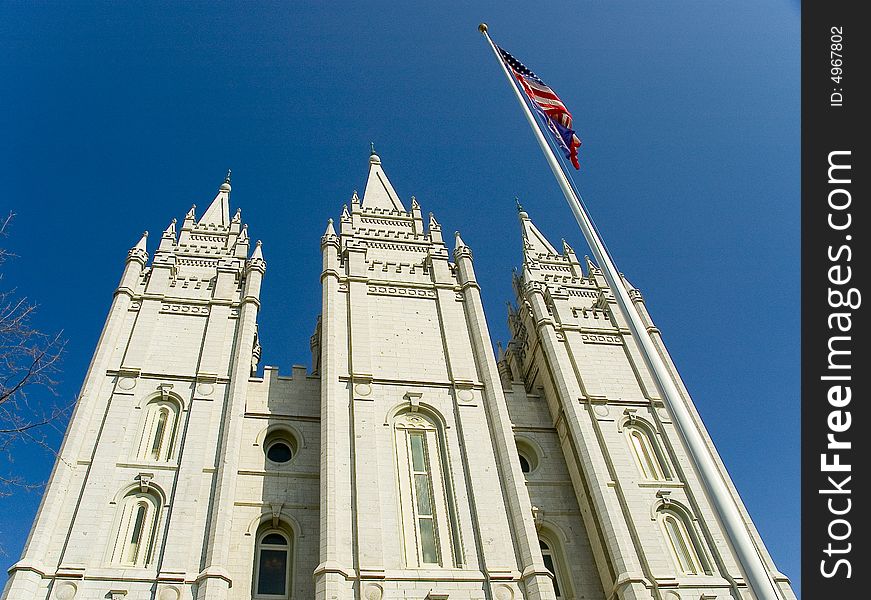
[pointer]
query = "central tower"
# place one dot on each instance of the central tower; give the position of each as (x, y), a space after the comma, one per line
(416, 437)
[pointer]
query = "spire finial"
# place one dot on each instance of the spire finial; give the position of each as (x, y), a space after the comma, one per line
(373, 156)
(519, 205)
(225, 187)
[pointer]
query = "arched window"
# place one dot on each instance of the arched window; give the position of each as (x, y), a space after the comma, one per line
(272, 564)
(427, 516)
(682, 541)
(136, 529)
(645, 451)
(158, 432)
(551, 562)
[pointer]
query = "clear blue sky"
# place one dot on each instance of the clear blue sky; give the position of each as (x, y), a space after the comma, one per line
(115, 118)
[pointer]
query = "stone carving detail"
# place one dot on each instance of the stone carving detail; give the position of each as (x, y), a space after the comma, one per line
(373, 592)
(391, 290)
(598, 338)
(66, 591)
(169, 593)
(187, 309)
(503, 592)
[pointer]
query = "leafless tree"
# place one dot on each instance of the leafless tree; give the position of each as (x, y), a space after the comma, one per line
(28, 363)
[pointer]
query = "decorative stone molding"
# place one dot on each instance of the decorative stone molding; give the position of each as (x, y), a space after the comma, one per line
(276, 512)
(144, 480)
(65, 590)
(413, 399)
(373, 591)
(362, 386)
(185, 309)
(599, 338)
(405, 291)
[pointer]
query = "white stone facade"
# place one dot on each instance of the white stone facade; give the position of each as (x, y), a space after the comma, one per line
(409, 463)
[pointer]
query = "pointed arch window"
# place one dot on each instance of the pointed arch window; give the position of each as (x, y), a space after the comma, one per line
(682, 541)
(272, 564)
(428, 519)
(551, 562)
(646, 452)
(159, 430)
(137, 526)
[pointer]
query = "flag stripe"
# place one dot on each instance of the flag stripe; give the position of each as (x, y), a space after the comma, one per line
(548, 105)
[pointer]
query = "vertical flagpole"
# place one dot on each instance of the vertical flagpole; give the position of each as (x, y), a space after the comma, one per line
(715, 486)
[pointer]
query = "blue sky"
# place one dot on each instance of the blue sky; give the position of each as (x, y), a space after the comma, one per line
(116, 117)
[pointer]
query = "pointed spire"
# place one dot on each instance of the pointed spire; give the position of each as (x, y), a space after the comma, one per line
(566, 248)
(141, 244)
(534, 242)
(243, 235)
(218, 212)
(459, 242)
(192, 213)
(500, 352)
(414, 204)
(433, 224)
(379, 192)
(237, 218)
(346, 216)
(139, 252)
(330, 230)
(591, 268)
(167, 240)
(258, 252)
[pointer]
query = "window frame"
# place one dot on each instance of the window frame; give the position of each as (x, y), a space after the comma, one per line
(288, 576)
(151, 426)
(442, 515)
(130, 508)
(549, 549)
(689, 540)
(653, 464)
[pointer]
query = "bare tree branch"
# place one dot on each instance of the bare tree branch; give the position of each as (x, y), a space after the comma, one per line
(28, 366)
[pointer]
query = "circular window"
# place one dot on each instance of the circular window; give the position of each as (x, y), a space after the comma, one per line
(279, 447)
(527, 455)
(279, 451)
(524, 464)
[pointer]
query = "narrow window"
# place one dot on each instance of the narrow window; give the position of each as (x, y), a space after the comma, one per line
(550, 564)
(136, 535)
(428, 520)
(272, 565)
(137, 526)
(645, 453)
(158, 432)
(157, 443)
(682, 543)
(423, 496)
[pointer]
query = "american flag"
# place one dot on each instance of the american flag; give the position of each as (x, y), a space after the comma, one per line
(549, 106)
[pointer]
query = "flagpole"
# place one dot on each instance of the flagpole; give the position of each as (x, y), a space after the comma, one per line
(712, 480)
